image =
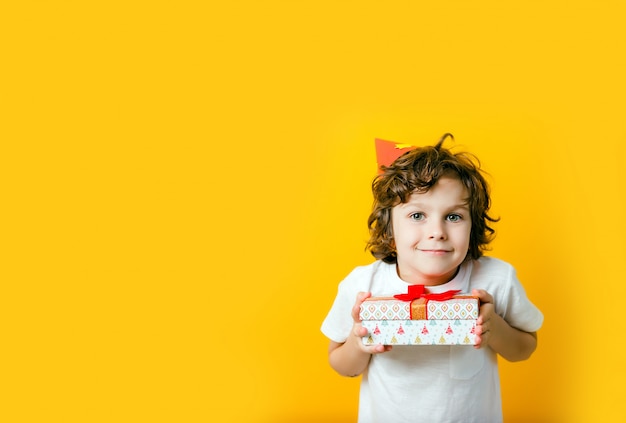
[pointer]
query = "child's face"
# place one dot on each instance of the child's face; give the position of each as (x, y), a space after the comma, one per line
(432, 233)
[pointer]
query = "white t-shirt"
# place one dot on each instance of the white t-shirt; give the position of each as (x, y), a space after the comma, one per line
(433, 384)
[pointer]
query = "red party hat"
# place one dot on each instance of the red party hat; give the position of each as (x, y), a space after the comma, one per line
(388, 151)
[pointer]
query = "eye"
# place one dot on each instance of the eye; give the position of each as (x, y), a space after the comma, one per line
(454, 217)
(417, 216)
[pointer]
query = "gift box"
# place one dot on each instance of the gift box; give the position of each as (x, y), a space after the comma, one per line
(420, 318)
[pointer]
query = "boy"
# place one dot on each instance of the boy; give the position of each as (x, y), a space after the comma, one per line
(430, 226)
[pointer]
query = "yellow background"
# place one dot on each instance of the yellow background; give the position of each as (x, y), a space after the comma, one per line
(183, 185)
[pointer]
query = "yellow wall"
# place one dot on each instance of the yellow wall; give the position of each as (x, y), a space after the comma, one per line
(183, 186)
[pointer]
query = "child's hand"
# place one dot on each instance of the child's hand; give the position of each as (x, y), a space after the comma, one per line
(358, 331)
(484, 324)
(493, 331)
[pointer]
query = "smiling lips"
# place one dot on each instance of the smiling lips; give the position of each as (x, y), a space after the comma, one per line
(434, 252)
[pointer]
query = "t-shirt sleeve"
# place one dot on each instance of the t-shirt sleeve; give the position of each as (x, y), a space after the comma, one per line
(338, 322)
(518, 311)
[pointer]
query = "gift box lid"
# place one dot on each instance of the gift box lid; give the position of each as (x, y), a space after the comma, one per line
(419, 305)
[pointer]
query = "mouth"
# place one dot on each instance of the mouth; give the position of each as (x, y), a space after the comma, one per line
(435, 252)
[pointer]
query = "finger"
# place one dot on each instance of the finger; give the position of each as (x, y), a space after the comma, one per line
(482, 328)
(483, 296)
(482, 336)
(379, 349)
(359, 331)
(360, 297)
(483, 319)
(479, 341)
(478, 345)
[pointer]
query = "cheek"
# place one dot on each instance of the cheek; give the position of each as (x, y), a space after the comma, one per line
(461, 235)
(398, 240)
(466, 238)
(392, 239)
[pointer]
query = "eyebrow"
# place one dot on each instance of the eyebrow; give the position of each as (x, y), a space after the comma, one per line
(465, 205)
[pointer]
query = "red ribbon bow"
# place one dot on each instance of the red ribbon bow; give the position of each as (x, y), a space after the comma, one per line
(419, 291)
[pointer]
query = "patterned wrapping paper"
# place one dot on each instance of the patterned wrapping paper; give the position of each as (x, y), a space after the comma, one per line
(421, 321)
(420, 332)
(388, 308)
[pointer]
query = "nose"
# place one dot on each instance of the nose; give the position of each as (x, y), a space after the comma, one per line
(436, 231)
